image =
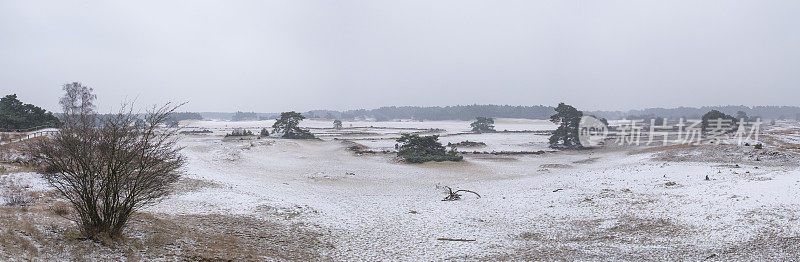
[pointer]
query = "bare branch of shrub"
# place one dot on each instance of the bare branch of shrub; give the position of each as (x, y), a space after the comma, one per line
(108, 167)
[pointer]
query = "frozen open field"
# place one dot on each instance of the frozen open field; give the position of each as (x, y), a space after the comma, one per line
(608, 204)
(581, 204)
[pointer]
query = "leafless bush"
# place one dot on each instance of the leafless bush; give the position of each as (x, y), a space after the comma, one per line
(108, 167)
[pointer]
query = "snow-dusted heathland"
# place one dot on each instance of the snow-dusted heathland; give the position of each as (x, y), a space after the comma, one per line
(580, 204)
(613, 204)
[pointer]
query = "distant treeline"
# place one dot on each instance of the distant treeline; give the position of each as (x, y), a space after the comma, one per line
(173, 118)
(238, 116)
(179, 116)
(461, 112)
(763, 112)
(18, 116)
(469, 112)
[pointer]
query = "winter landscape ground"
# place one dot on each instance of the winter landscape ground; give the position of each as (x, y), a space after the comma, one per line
(346, 197)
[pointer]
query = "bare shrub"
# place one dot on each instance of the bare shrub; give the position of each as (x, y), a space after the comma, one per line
(108, 167)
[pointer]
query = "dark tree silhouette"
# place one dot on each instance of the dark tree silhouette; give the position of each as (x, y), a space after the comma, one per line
(242, 116)
(709, 118)
(483, 124)
(14, 115)
(288, 125)
(742, 116)
(566, 135)
(337, 124)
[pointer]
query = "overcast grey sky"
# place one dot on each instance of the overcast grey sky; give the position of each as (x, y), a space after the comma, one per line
(270, 56)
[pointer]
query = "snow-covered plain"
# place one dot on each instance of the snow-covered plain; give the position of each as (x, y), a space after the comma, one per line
(617, 203)
(593, 204)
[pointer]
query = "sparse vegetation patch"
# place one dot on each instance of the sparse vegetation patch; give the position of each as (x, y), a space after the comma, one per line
(419, 149)
(239, 132)
(467, 143)
(190, 132)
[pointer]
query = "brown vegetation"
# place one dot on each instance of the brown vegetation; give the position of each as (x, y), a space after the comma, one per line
(39, 232)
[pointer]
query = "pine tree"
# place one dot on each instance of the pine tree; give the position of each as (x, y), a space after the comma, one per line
(566, 135)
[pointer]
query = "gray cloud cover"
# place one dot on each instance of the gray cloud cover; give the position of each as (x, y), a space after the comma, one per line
(272, 56)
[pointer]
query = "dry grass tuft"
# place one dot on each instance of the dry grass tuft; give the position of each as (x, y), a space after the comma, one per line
(185, 185)
(555, 166)
(661, 148)
(61, 208)
(15, 195)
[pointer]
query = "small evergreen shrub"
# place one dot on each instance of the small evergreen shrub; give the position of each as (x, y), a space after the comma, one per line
(483, 124)
(239, 132)
(421, 149)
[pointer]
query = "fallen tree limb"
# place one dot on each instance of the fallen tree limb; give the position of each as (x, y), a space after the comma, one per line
(455, 239)
(452, 196)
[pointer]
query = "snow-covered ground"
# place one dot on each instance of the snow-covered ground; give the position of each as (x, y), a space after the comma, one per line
(22, 181)
(602, 204)
(451, 126)
(612, 201)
